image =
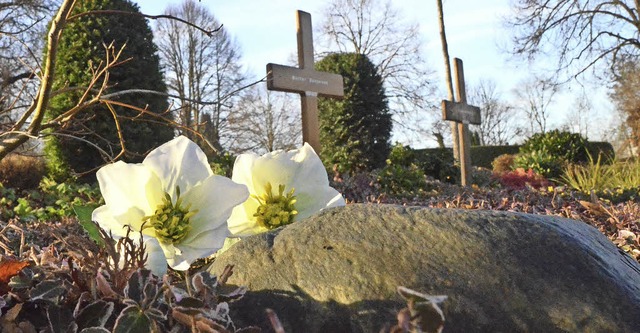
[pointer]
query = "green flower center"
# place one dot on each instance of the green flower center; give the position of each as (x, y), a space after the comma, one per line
(171, 221)
(275, 210)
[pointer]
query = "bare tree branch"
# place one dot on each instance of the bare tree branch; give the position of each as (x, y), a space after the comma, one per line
(580, 33)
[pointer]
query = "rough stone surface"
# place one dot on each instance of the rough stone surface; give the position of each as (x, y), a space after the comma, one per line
(503, 272)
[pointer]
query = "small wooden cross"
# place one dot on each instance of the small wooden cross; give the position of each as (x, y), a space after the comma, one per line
(306, 81)
(463, 114)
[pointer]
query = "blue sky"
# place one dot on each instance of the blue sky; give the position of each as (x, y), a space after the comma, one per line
(475, 32)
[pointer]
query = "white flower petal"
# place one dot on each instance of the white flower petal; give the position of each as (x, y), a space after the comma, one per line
(178, 163)
(310, 203)
(278, 167)
(156, 261)
(300, 170)
(243, 170)
(124, 186)
(214, 199)
(242, 223)
(312, 173)
(202, 246)
(115, 224)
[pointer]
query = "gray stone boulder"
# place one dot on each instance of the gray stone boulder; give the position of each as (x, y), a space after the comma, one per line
(503, 272)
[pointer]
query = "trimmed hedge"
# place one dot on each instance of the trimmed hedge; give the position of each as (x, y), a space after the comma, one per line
(604, 148)
(482, 156)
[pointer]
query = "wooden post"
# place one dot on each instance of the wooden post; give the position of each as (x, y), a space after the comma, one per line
(464, 114)
(306, 81)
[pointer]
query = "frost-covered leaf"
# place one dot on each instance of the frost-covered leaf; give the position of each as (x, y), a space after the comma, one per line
(136, 284)
(60, 319)
(204, 282)
(199, 322)
(150, 291)
(132, 320)
(234, 295)
(48, 290)
(21, 281)
(95, 314)
(156, 314)
(95, 330)
(424, 311)
(190, 302)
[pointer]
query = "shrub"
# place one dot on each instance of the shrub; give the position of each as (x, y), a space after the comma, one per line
(21, 171)
(571, 147)
(541, 163)
(503, 163)
(222, 164)
(547, 153)
(439, 164)
(401, 176)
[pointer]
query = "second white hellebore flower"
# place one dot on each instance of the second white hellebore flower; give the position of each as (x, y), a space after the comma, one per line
(285, 187)
(173, 199)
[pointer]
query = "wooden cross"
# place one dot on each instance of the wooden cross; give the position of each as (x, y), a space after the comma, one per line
(306, 81)
(463, 114)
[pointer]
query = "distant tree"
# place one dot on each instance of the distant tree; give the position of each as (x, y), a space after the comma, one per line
(22, 28)
(355, 132)
(580, 116)
(580, 33)
(455, 135)
(499, 126)
(535, 95)
(626, 96)
(374, 28)
(201, 68)
(93, 137)
(265, 121)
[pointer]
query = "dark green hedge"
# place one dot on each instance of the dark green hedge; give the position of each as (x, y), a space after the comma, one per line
(482, 156)
(604, 148)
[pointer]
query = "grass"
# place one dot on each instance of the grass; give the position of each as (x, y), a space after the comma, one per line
(598, 177)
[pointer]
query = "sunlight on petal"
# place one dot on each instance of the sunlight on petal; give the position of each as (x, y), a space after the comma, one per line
(179, 162)
(129, 185)
(156, 260)
(214, 199)
(285, 187)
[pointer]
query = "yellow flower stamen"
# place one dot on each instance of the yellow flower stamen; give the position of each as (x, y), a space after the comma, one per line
(275, 210)
(170, 222)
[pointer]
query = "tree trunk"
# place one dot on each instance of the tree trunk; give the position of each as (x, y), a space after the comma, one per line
(447, 66)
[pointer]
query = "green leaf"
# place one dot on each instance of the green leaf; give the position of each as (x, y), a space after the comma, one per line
(84, 217)
(132, 320)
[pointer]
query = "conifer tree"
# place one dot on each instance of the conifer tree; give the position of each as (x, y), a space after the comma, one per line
(82, 47)
(355, 132)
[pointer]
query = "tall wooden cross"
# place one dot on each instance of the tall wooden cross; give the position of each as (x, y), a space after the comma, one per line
(463, 114)
(306, 81)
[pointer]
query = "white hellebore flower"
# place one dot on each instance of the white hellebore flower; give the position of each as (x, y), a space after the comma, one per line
(173, 199)
(285, 187)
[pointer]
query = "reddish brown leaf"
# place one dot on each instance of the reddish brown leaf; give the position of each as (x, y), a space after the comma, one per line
(10, 267)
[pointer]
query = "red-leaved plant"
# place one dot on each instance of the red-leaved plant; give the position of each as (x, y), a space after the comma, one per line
(519, 179)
